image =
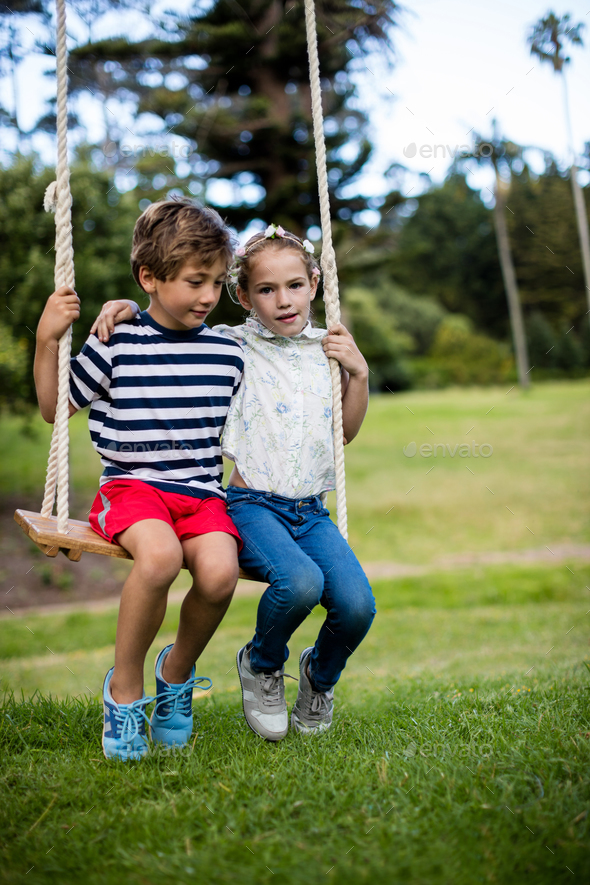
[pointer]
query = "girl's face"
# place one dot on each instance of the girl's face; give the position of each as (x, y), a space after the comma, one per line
(280, 291)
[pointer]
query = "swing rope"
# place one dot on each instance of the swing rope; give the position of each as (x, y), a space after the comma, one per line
(328, 260)
(58, 198)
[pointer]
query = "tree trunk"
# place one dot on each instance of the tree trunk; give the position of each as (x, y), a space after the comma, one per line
(509, 277)
(579, 205)
(582, 220)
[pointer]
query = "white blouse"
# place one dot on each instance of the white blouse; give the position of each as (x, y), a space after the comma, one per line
(278, 430)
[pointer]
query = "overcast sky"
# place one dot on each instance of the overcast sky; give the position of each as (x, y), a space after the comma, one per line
(460, 64)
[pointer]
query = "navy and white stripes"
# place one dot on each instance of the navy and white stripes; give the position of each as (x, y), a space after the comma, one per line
(159, 400)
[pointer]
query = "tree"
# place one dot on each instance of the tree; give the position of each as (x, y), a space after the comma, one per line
(231, 80)
(543, 241)
(103, 223)
(13, 49)
(446, 248)
(547, 39)
(502, 154)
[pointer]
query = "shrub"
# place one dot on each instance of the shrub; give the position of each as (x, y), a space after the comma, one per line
(461, 356)
(13, 368)
(382, 343)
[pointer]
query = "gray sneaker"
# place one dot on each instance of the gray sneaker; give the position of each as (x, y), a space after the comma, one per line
(313, 710)
(263, 699)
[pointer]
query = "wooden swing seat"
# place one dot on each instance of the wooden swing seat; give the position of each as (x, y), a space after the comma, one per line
(80, 538)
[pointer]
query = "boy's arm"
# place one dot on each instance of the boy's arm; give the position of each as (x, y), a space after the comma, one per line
(340, 344)
(62, 309)
(111, 313)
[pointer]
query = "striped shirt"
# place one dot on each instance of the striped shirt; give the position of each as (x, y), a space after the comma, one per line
(158, 403)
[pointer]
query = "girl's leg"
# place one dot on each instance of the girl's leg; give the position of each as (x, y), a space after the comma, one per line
(296, 583)
(347, 598)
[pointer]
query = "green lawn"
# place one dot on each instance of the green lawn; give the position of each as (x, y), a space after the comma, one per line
(531, 491)
(460, 751)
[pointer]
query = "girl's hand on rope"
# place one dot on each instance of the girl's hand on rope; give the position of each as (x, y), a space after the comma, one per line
(113, 312)
(62, 309)
(340, 345)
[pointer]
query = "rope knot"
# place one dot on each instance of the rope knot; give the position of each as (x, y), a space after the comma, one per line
(50, 198)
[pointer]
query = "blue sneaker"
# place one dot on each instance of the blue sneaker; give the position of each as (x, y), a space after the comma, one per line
(172, 719)
(123, 733)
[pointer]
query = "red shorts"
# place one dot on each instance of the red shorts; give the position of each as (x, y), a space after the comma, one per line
(120, 504)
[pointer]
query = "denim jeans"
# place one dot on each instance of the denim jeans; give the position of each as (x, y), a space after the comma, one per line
(294, 546)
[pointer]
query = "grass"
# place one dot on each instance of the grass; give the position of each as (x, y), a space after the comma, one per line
(426, 784)
(531, 491)
(460, 751)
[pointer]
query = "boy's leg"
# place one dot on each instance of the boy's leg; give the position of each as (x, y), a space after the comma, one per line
(157, 555)
(212, 560)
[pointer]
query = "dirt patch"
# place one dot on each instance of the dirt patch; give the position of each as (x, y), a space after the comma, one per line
(29, 578)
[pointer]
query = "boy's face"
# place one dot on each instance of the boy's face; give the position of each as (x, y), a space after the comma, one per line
(184, 303)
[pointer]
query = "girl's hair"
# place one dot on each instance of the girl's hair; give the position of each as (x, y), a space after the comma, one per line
(242, 265)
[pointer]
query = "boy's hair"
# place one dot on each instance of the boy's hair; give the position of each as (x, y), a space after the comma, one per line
(240, 270)
(170, 232)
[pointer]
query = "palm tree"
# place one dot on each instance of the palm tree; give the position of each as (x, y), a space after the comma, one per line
(547, 39)
(502, 154)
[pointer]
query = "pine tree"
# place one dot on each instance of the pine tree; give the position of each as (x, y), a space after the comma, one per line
(233, 81)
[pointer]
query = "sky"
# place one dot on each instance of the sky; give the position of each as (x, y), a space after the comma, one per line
(460, 64)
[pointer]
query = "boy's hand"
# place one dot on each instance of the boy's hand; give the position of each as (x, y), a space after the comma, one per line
(113, 312)
(340, 345)
(62, 309)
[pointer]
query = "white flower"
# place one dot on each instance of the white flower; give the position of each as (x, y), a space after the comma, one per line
(270, 231)
(309, 247)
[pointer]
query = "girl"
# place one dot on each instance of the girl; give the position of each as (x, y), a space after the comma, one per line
(278, 433)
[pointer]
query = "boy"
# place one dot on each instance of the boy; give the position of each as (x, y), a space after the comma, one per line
(159, 391)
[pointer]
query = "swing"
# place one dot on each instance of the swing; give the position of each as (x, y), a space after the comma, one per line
(72, 536)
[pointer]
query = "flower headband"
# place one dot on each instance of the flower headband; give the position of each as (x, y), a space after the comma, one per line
(274, 230)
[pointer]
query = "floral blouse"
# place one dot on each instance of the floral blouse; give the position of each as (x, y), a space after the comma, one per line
(278, 430)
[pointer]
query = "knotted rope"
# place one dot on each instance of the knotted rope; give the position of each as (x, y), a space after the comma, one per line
(328, 260)
(58, 199)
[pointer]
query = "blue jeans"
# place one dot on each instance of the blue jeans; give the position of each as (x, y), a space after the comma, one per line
(294, 546)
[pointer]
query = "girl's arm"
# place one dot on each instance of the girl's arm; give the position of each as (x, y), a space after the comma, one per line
(340, 344)
(113, 312)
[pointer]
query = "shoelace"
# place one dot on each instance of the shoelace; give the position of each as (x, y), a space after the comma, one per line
(130, 718)
(320, 705)
(179, 700)
(273, 688)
